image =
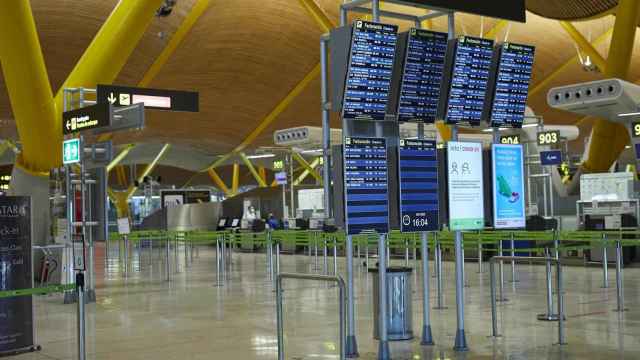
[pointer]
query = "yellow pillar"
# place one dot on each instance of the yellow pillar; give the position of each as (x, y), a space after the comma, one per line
(29, 89)
(121, 202)
(609, 139)
(263, 173)
(218, 181)
(235, 181)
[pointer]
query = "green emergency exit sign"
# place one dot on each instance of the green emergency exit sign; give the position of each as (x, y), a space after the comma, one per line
(71, 151)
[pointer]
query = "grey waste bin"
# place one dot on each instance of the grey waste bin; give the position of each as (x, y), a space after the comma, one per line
(399, 303)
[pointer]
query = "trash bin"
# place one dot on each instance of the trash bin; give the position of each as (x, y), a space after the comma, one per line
(399, 303)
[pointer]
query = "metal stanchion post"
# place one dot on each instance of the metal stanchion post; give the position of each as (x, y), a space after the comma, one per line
(619, 286)
(549, 316)
(383, 346)
(325, 266)
(269, 255)
(167, 261)
(315, 246)
(427, 337)
(277, 258)
(438, 271)
(559, 286)
(605, 265)
(494, 314)
(406, 252)
(479, 255)
(82, 353)
(335, 256)
(460, 341)
(513, 262)
(126, 255)
(176, 261)
(352, 344)
(501, 270)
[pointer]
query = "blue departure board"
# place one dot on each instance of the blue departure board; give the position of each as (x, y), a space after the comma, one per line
(469, 80)
(422, 76)
(511, 85)
(418, 178)
(366, 187)
(370, 69)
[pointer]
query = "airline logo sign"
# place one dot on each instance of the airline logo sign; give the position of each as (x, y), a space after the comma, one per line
(86, 118)
(158, 99)
(553, 157)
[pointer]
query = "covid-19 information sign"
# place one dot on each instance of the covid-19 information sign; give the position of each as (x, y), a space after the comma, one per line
(508, 187)
(464, 173)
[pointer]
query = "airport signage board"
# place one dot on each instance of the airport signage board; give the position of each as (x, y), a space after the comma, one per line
(548, 137)
(635, 129)
(423, 66)
(552, 157)
(508, 186)
(510, 139)
(87, 118)
(17, 329)
(466, 192)
(418, 179)
(370, 70)
(502, 9)
(158, 99)
(510, 85)
(281, 178)
(637, 149)
(366, 185)
(466, 80)
(71, 151)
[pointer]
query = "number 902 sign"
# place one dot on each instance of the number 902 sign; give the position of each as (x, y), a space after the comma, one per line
(548, 137)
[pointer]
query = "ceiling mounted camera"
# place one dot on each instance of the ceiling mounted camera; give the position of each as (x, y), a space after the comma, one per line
(166, 8)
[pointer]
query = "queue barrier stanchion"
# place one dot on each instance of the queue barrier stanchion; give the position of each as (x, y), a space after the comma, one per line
(559, 290)
(619, 284)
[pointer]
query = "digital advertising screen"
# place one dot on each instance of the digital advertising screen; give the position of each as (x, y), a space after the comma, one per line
(468, 81)
(425, 53)
(370, 70)
(511, 85)
(418, 179)
(466, 192)
(508, 186)
(366, 185)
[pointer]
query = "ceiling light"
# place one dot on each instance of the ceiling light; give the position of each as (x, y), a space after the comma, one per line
(629, 114)
(261, 156)
(529, 125)
(311, 151)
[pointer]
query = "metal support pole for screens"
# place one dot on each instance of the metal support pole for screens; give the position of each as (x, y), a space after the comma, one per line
(427, 337)
(352, 344)
(279, 312)
(383, 345)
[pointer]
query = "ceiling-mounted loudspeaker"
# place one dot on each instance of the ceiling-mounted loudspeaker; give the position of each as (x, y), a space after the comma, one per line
(304, 135)
(166, 8)
(610, 98)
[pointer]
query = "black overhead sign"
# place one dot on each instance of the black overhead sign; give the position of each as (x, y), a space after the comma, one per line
(503, 9)
(86, 118)
(159, 99)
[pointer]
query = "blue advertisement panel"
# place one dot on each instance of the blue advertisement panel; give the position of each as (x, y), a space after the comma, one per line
(508, 186)
(418, 178)
(552, 157)
(365, 185)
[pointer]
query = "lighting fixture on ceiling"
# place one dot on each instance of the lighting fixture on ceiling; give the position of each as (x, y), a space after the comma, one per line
(629, 114)
(261, 156)
(529, 125)
(166, 8)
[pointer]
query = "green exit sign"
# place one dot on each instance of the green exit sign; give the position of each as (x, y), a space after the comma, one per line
(71, 151)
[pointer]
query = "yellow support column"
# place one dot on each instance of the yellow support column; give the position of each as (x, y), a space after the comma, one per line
(112, 45)
(584, 45)
(148, 169)
(609, 139)
(235, 181)
(263, 173)
(218, 181)
(252, 170)
(306, 172)
(121, 202)
(305, 165)
(29, 89)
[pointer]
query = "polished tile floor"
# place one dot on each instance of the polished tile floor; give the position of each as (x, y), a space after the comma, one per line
(142, 316)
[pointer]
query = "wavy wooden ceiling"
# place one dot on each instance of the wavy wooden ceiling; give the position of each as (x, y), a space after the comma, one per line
(244, 56)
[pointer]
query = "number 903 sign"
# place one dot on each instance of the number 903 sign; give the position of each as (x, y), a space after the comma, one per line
(548, 137)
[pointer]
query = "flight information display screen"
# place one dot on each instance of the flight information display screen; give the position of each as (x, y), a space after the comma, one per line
(370, 69)
(366, 185)
(418, 177)
(469, 80)
(422, 76)
(511, 85)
